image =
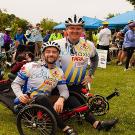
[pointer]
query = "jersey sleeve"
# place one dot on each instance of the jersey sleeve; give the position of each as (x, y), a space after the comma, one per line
(92, 49)
(24, 73)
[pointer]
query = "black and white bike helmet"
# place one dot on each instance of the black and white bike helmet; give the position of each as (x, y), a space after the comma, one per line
(74, 21)
(51, 44)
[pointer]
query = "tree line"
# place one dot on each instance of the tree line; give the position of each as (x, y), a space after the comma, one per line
(12, 21)
(132, 2)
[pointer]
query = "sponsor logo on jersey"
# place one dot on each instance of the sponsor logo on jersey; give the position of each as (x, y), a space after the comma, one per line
(84, 46)
(77, 58)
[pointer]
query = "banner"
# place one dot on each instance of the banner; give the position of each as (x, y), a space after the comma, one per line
(102, 58)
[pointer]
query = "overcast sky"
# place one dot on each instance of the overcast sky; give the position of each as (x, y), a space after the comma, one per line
(59, 10)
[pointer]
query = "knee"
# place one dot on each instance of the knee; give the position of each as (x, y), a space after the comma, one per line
(72, 99)
(73, 102)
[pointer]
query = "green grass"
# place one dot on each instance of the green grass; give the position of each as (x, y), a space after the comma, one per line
(104, 83)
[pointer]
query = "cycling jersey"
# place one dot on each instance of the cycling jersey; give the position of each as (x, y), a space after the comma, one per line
(40, 79)
(59, 36)
(52, 37)
(74, 59)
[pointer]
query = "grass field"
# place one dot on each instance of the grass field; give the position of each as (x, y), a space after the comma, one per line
(104, 83)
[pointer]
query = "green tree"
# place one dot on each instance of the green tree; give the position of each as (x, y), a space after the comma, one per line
(17, 22)
(132, 2)
(10, 20)
(110, 15)
(47, 24)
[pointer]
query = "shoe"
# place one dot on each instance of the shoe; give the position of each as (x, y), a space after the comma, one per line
(130, 65)
(127, 69)
(107, 125)
(70, 131)
(120, 63)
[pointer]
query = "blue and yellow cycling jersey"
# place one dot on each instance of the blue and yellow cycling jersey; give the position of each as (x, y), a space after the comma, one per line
(74, 59)
(47, 78)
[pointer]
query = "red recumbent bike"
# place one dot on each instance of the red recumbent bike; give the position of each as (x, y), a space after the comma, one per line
(33, 119)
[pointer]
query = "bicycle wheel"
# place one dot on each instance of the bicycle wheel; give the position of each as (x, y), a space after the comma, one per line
(98, 105)
(36, 120)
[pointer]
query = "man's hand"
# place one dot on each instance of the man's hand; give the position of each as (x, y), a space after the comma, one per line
(87, 80)
(24, 98)
(58, 106)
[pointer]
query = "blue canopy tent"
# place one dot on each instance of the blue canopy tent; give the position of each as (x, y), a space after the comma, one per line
(122, 19)
(90, 23)
(60, 26)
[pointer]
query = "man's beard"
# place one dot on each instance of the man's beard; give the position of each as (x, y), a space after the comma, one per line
(50, 62)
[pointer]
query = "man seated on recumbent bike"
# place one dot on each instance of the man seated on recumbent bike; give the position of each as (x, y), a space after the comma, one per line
(38, 75)
(42, 77)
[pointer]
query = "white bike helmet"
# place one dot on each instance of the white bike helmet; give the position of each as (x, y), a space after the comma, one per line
(51, 44)
(8, 29)
(74, 21)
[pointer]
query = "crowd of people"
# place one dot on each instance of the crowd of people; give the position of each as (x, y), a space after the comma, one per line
(62, 65)
(102, 39)
(126, 44)
(123, 40)
(32, 39)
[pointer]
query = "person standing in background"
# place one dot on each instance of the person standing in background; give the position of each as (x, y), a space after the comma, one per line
(19, 38)
(38, 40)
(104, 39)
(7, 42)
(129, 44)
(47, 36)
(30, 39)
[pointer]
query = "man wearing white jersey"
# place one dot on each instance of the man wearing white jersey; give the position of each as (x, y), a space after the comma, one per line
(75, 53)
(39, 79)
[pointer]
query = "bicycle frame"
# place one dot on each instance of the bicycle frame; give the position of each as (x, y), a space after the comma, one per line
(87, 107)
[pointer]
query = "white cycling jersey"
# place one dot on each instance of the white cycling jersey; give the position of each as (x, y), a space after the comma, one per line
(74, 59)
(40, 79)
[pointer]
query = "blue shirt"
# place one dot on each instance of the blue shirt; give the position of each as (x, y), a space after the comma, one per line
(21, 38)
(46, 38)
(129, 40)
(125, 29)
